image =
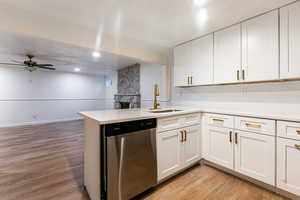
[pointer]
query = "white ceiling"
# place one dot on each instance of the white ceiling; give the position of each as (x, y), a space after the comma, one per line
(159, 22)
(15, 47)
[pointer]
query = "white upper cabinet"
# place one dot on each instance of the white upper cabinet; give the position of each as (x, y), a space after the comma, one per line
(182, 64)
(193, 62)
(290, 41)
(260, 48)
(227, 55)
(246, 52)
(202, 60)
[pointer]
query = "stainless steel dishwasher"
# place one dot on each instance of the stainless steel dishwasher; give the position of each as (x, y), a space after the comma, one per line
(128, 159)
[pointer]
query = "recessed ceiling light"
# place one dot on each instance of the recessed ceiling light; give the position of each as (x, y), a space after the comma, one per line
(202, 16)
(76, 69)
(200, 3)
(96, 54)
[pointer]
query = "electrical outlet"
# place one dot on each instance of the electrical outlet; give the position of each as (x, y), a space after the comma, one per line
(34, 116)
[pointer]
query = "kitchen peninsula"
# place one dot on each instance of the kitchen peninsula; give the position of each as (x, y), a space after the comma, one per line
(242, 144)
(159, 133)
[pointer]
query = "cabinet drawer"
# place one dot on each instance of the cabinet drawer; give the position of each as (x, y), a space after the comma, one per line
(288, 130)
(191, 119)
(263, 126)
(176, 122)
(169, 123)
(223, 121)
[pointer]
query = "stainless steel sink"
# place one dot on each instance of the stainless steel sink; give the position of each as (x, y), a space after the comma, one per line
(164, 111)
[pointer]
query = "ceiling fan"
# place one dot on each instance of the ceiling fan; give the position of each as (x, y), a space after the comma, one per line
(31, 65)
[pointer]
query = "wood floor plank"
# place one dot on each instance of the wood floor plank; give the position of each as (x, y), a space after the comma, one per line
(45, 162)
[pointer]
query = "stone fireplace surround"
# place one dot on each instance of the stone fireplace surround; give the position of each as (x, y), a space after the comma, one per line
(133, 100)
(128, 88)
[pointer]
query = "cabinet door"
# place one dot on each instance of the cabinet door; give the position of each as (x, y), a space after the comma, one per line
(255, 156)
(260, 48)
(290, 41)
(168, 153)
(182, 64)
(217, 146)
(288, 159)
(227, 55)
(191, 147)
(202, 60)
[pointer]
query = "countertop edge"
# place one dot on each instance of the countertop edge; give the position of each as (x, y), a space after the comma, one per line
(191, 111)
(147, 116)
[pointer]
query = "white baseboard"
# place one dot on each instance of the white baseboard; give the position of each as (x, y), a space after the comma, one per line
(39, 122)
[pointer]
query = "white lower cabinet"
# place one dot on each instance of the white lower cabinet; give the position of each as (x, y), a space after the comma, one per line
(168, 153)
(248, 153)
(288, 159)
(191, 146)
(218, 146)
(177, 149)
(255, 156)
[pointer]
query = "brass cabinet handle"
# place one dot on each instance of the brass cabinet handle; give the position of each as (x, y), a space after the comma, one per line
(297, 146)
(298, 132)
(218, 120)
(253, 125)
(236, 138)
(181, 137)
(243, 74)
(238, 75)
(230, 136)
(191, 80)
(185, 132)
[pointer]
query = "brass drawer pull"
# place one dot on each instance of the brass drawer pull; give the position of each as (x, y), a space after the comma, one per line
(298, 132)
(218, 120)
(230, 136)
(238, 75)
(253, 125)
(185, 132)
(243, 74)
(297, 146)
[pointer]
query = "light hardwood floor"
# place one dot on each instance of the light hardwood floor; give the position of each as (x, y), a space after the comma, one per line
(44, 162)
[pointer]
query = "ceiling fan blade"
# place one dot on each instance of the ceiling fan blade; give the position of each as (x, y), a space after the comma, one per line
(44, 67)
(12, 64)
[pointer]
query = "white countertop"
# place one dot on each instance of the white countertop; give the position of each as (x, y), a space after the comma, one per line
(115, 116)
